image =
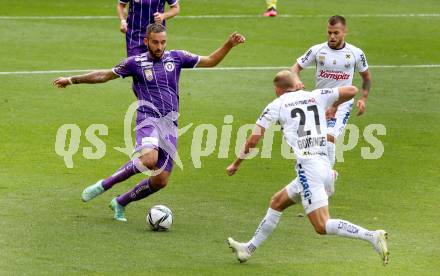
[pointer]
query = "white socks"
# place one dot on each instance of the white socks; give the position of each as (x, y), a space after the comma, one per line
(267, 225)
(347, 229)
(331, 153)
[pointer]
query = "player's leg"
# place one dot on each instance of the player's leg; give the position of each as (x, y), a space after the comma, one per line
(163, 165)
(316, 208)
(146, 143)
(336, 127)
(331, 149)
(279, 202)
(142, 190)
(129, 169)
(323, 224)
(271, 8)
(328, 185)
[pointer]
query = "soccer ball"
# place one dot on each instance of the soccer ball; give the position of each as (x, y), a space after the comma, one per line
(160, 218)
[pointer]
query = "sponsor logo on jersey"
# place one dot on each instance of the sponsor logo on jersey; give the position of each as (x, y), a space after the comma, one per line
(146, 64)
(347, 115)
(304, 183)
(306, 57)
(148, 74)
(141, 58)
(169, 66)
(333, 75)
(263, 114)
(347, 56)
(363, 60)
(311, 142)
(326, 91)
(303, 102)
(321, 60)
(331, 122)
(188, 54)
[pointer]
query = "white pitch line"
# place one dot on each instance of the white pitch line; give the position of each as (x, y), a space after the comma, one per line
(212, 69)
(220, 16)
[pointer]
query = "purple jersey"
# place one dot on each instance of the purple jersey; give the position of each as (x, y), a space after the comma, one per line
(140, 15)
(156, 81)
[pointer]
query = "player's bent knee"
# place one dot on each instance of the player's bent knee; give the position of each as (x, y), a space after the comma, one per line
(280, 201)
(159, 181)
(150, 163)
(320, 230)
(320, 227)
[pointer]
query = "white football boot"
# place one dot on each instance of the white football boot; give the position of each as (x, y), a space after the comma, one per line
(380, 245)
(240, 250)
(92, 191)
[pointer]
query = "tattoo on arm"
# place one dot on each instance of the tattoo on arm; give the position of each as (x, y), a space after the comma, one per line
(94, 77)
(366, 85)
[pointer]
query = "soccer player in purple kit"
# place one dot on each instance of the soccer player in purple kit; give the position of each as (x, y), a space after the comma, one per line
(141, 13)
(155, 82)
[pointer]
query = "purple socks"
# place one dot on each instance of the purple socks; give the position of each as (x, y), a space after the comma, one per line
(140, 191)
(125, 172)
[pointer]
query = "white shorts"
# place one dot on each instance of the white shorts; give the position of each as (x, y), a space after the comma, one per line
(336, 125)
(313, 175)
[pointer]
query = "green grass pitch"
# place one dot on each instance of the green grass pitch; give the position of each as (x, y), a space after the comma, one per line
(46, 230)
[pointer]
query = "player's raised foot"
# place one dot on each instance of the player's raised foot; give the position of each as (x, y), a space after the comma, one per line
(240, 250)
(380, 245)
(118, 209)
(271, 12)
(92, 191)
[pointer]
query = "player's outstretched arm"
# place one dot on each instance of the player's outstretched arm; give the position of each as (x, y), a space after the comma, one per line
(366, 86)
(296, 68)
(346, 93)
(217, 56)
(251, 143)
(99, 76)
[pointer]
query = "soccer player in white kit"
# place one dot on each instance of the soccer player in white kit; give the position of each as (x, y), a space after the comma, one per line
(336, 61)
(301, 115)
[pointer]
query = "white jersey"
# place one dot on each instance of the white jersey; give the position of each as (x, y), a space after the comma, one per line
(334, 68)
(301, 115)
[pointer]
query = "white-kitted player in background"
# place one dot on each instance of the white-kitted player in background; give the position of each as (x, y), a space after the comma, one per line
(336, 62)
(301, 115)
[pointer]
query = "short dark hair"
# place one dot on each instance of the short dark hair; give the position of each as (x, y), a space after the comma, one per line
(155, 28)
(335, 19)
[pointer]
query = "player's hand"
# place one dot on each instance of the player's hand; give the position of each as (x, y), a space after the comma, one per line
(62, 82)
(159, 17)
(124, 26)
(235, 38)
(361, 106)
(298, 85)
(331, 112)
(231, 169)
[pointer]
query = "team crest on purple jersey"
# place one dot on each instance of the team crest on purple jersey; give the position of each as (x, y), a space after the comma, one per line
(148, 74)
(156, 80)
(169, 66)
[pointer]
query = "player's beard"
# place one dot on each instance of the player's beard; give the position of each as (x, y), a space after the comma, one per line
(336, 44)
(156, 54)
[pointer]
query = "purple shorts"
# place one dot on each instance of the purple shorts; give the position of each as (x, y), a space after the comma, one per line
(134, 50)
(162, 138)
